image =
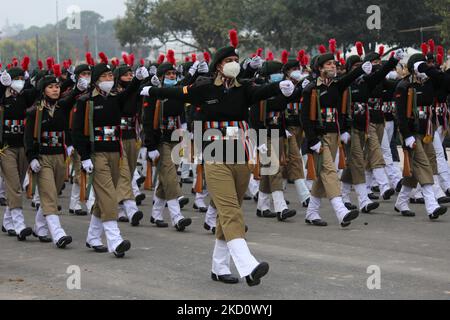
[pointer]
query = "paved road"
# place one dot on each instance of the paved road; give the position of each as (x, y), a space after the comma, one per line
(306, 262)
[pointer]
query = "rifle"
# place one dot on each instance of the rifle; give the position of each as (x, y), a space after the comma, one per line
(342, 157)
(83, 181)
(148, 184)
(199, 183)
(311, 166)
(407, 172)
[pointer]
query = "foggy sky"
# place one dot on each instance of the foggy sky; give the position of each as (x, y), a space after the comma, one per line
(42, 12)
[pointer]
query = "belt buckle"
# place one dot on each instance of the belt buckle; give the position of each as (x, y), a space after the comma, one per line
(124, 122)
(54, 140)
(232, 133)
(15, 129)
(359, 108)
(422, 115)
(110, 133)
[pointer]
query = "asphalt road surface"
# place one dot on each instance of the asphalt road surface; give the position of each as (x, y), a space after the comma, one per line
(381, 256)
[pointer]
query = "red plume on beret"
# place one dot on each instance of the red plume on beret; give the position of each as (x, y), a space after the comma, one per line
(440, 50)
(424, 47)
(69, 62)
(360, 48)
(89, 60)
(161, 58)
(115, 62)
(142, 62)
(50, 63)
(57, 70)
(305, 61)
(284, 56)
(194, 57)
(440, 59)
(187, 59)
(322, 49)
(8, 66)
(392, 54)
(125, 58)
(300, 55)
(171, 57)
(103, 58)
(65, 64)
(270, 56)
(432, 45)
(259, 52)
(234, 40)
(207, 57)
(381, 50)
(25, 63)
(40, 65)
(332, 45)
(15, 62)
(342, 61)
(131, 59)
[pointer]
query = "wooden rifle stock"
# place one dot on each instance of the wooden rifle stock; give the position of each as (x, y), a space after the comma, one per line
(83, 181)
(148, 184)
(311, 167)
(30, 185)
(257, 170)
(199, 182)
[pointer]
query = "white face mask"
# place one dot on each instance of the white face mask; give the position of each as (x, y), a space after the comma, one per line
(231, 70)
(18, 85)
(106, 86)
(296, 75)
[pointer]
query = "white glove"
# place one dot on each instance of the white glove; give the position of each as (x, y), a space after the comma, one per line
(305, 83)
(26, 75)
(367, 67)
(142, 73)
(88, 166)
(153, 70)
(288, 134)
(203, 67)
(71, 70)
(256, 63)
(145, 91)
(35, 166)
(345, 137)
(73, 78)
(184, 126)
(263, 149)
(287, 88)
(410, 142)
(82, 84)
(153, 155)
(70, 150)
(400, 54)
(317, 147)
(155, 81)
(393, 75)
(5, 79)
(194, 68)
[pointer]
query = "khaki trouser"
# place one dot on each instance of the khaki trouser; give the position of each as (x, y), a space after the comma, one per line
(132, 152)
(105, 181)
(168, 187)
(327, 184)
(124, 188)
(422, 159)
(227, 185)
(272, 183)
(14, 167)
(50, 181)
(375, 158)
(76, 164)
(364, 154)
(295, 167)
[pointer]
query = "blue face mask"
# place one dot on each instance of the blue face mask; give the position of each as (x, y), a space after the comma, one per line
(170, 83)
(276, 77)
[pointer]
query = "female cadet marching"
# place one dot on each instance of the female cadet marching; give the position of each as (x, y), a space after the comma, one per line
(224, 102)
(45, 149)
